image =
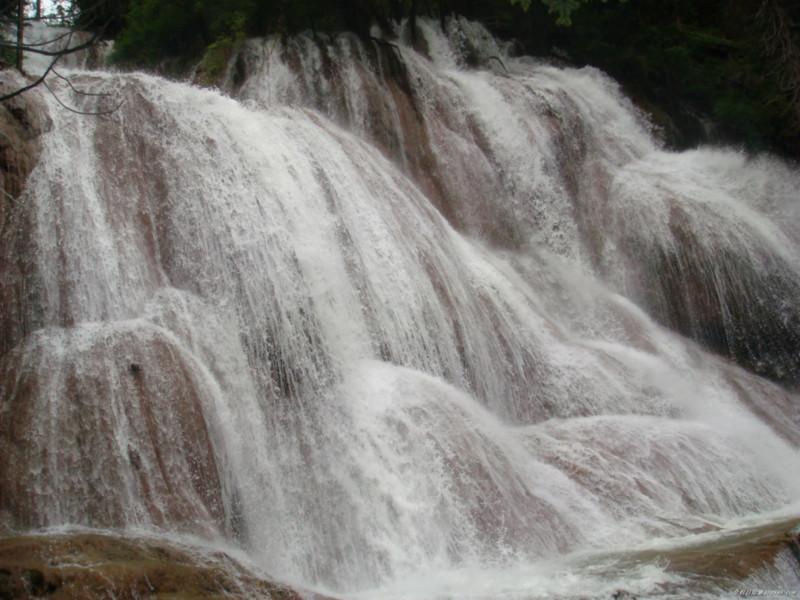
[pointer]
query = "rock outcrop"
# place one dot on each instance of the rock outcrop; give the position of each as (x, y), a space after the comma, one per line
(98, 566)
(22, 121)
(116, 397)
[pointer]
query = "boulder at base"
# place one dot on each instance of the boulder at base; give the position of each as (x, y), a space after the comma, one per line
(94, 566)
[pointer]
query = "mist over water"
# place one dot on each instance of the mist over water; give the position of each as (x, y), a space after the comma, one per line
(398, 323)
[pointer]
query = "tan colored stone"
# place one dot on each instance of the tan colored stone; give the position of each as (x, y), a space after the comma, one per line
(97, 566)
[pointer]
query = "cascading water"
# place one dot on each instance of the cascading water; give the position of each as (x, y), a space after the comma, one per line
(386, 321)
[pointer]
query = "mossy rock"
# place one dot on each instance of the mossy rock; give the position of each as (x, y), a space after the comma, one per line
(212, 67)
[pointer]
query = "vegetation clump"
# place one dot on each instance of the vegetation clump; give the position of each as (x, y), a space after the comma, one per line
(99, 566)
(715, 71)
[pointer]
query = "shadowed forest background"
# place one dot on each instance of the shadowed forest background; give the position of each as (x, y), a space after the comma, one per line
(714, 71)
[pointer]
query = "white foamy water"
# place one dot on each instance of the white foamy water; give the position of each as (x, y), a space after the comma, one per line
(393, 325)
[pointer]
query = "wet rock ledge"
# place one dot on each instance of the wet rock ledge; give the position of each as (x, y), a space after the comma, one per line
(94, 566)
(22, 120)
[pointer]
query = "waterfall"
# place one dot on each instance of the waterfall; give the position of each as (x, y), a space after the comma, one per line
(383, 316)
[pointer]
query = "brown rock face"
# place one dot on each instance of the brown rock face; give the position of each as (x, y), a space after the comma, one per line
(94, 566)
(738, 301)
(22, 120)
(531, 160)
(727, 562)
(749, 316)
(104, 426)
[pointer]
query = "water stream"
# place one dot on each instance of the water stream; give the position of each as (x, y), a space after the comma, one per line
(397, 322)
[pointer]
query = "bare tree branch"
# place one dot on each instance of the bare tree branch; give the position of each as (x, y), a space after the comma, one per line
(56, 54)
(81, 112)
(76, 90)
(30, 86)
(52, 41)
(62, 52)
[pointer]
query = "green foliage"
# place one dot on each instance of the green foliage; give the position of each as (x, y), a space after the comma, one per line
(9, 14)
(218, 53)
(690, 61)
(107, 16)
(523, 4)
(744, 120)
(563, 9)
(215, 59)
(700, 64)
(8, 56)
(156, 30)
